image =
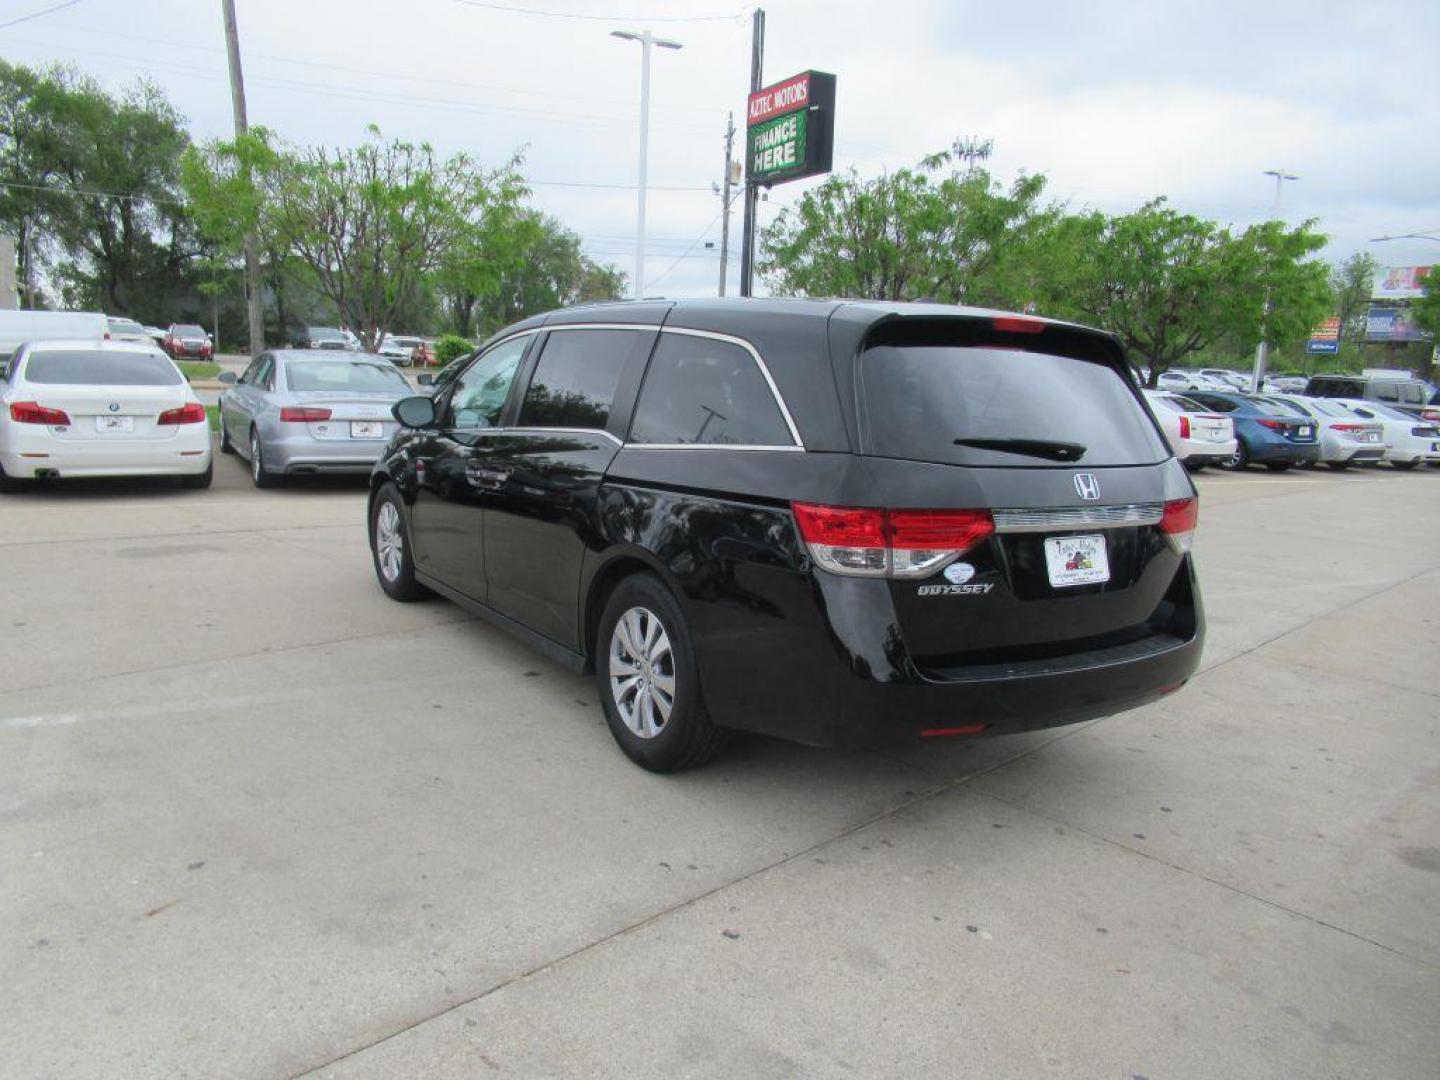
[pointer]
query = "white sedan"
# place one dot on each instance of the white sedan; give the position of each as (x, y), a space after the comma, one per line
(99, 408)
(1408, 441)
(1197, 436)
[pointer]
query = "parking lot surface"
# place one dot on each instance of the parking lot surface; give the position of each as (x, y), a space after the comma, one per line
(258, 820)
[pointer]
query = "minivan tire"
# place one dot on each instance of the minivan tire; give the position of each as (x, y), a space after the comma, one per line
(401, 585)
(686, 739)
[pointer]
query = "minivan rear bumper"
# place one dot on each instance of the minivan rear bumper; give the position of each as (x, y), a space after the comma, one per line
(1004, 699)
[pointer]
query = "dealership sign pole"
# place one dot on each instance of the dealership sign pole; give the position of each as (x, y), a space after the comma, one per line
(789, 135)
(752, 193)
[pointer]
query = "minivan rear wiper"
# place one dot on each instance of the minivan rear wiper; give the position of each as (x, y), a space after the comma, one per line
(1041, 448)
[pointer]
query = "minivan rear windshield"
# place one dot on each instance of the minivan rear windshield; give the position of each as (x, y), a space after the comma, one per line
(101, 368)
(997, 406)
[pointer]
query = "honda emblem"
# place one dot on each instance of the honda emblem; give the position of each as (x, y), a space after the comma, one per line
(1086, 486)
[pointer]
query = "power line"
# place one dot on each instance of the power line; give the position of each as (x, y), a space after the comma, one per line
(704, 233)
(508, 9)
(37, 14)
(588, 120)
(369, 73)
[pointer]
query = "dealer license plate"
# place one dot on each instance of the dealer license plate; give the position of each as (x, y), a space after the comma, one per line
(367, 429)
(114, 423)
(1076, 560)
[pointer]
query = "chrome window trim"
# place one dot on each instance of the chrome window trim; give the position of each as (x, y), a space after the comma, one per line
(1078, 517)
(731, 339)
(713, 446)
(798, 443)
(530, 429)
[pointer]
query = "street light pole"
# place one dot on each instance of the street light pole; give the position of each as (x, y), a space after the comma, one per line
(1262, 351)
(646, 40)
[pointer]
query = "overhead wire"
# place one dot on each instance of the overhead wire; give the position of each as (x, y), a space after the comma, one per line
(510, 9)
(37, 14)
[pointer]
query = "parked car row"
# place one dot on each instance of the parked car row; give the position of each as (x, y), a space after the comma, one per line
(839, 522)
(1281, 431)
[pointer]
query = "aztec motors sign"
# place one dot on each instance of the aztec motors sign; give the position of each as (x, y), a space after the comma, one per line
(790, 129)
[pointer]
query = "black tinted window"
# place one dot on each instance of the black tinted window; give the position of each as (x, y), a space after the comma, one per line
(1216, 404)
(101, 369)
(699, 391)
(919, 401)
(1321, 386)
(574, 382)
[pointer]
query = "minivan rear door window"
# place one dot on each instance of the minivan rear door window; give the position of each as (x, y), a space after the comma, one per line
(999, 406)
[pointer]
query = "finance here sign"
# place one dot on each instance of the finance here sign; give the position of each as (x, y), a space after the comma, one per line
(790, 129)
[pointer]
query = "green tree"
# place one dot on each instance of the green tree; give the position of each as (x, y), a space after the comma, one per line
(933, 231)
(1171, 285)
(550, 271)
(93, 190)
(1427, 315)
(1351, 284)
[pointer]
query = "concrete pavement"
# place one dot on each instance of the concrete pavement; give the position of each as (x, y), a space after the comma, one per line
(257, 820)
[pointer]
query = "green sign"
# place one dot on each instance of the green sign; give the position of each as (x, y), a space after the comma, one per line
(777, 146)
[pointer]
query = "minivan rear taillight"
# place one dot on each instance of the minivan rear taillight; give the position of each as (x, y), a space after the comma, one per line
(1178, 521)
(865, 542)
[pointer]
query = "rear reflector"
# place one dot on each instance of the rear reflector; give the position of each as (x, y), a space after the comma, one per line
(1017, 324)
(1178, 521)
(964, 729)
(191, 413)
(30, 412)
(298, 415)
(865, 542)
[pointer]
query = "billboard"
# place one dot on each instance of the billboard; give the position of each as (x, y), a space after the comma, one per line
(1325, 338)
(1398, 282)
(790, 129)
(1392, 324)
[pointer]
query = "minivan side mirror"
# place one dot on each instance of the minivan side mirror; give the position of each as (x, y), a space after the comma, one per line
(227, 377)
(415, 412)
(424, 379)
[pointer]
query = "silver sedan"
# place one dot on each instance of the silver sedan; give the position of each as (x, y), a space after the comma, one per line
(299, 411)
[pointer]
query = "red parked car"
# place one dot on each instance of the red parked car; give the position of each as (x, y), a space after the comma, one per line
(186, 341)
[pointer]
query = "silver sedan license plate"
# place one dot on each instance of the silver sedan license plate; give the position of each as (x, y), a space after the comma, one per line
(1076, 560)
(367, 429)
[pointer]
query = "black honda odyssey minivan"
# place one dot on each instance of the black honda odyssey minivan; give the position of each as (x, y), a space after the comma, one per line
(840, 522)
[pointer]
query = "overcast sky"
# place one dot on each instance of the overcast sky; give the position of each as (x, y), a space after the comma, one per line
(1115, 102)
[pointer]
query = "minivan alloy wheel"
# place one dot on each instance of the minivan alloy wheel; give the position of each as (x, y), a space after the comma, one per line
(389, 541)
(642, 672)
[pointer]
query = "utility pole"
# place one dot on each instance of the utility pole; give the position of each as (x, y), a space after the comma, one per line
(253, 292)
(725, 203)
(1262, 351)
(752, 189)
